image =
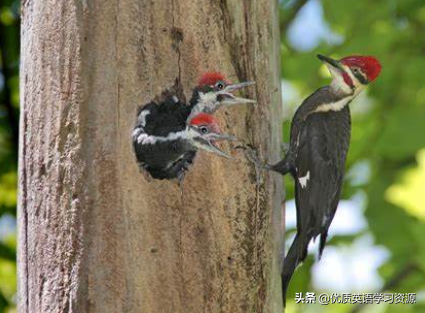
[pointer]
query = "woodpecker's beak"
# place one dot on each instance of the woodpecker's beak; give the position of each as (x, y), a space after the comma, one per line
(334, 66)
(209, 143)
(227, 94)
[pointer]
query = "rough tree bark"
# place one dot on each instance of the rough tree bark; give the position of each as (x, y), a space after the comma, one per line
(94, 235)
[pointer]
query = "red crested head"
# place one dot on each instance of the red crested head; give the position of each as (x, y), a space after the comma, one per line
(368, 64)
(211, 79)
(203, 119)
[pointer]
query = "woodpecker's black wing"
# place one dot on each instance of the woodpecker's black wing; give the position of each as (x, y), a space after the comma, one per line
(307, 108)
(157, 149)
(163, 118)
(319, 143)
(319, 170)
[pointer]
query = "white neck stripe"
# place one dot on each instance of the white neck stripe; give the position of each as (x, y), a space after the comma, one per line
(334, 106)
(146, 139)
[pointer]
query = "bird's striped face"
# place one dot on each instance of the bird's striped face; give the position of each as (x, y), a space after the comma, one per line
(213, 81)
(204, 124)
(204, 133)
(351, 74)
(215, 90)
(364, 69)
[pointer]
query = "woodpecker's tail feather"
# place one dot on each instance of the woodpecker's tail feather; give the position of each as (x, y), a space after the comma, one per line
(296, 254)
(323, 237)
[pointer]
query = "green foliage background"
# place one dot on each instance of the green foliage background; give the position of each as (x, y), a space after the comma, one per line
(9, 121)
(389, 136)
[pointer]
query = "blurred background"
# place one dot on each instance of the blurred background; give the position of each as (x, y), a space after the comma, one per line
(9, 121)
(378, 235)
(377, 241)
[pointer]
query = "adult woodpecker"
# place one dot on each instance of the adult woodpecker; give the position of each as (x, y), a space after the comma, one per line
(319, 141)
(214, 91)
(165, 143)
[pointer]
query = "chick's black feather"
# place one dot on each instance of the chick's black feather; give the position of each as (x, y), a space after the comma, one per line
(163, 159)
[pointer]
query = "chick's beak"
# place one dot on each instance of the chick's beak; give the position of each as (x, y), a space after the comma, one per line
(209, 143)
(234, 87)
(229, 98)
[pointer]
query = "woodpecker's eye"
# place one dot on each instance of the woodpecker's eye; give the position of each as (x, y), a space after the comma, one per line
(203, 129)
(358, 73)
(219, 85)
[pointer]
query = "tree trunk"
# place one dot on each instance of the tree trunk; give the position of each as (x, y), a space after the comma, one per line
(94, 234)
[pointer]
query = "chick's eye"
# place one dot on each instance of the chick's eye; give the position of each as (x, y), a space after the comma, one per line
(220, 85)
(204, 130)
